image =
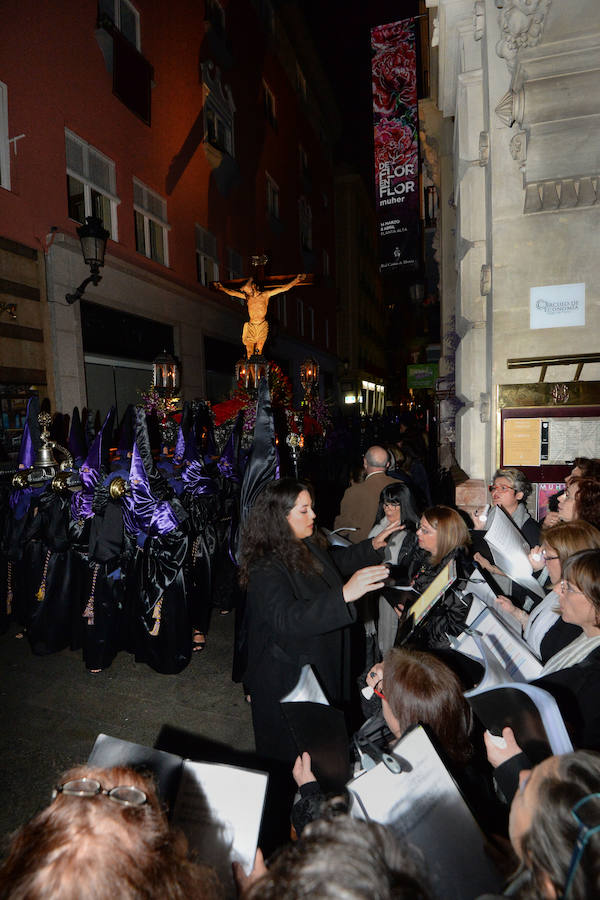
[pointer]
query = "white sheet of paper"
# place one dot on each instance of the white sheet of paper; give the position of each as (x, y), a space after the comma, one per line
(425, 808)
(510, 551)
(220, 808)
(306, 690)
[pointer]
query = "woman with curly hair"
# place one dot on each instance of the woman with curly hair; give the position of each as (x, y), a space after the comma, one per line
(299, 606)
(580, 500)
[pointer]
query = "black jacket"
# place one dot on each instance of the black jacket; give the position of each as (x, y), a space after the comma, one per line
(449, 614)
(293, 619)
(576, 690)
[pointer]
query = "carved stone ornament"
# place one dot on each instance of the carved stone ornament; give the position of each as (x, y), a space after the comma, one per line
(560, 393)
(521, 25)
(518, 146)
(484, 148)
(478, 19)
(510, 109)
(485, 280)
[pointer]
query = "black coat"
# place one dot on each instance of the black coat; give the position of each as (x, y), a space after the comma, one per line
(576, 690)
(449, 614)
(293, 619)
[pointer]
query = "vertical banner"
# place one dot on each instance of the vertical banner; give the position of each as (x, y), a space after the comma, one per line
(396, 126)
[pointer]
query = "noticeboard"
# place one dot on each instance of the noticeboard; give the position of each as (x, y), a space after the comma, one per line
(543, 427)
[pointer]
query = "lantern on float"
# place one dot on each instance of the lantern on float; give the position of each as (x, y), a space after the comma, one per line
(309, 377)
(165, 371)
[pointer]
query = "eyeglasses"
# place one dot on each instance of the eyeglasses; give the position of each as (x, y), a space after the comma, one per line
(584, 834)
(424, 530)
(126, 795)
(546, 557)
(377, 690)
(567, 588)
(391, 503)
(501, 488)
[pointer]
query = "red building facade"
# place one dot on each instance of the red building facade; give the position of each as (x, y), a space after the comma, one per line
(200, 133)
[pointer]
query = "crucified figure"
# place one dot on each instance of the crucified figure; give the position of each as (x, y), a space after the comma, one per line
(255, 331)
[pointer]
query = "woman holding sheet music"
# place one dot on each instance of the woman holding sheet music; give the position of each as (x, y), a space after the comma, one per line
(442, 536)
(572, 675)
(510, 490)
(543, 629)
(299, 606)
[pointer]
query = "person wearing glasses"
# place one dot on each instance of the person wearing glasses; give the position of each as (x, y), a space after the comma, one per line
(572, 675)
(396, 504)
(510, 490)
(414, 688)
(104, 835)
(543, 628)
(442, 536)
(554, 829)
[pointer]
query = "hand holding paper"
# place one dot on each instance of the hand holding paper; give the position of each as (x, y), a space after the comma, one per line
(497, 755)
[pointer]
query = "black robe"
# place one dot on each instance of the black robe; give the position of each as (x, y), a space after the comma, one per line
(293, 619)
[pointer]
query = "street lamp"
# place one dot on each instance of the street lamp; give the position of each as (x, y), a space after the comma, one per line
(93, 237)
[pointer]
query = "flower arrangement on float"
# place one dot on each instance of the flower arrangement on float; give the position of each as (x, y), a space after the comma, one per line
(165, 408)
(313, 420)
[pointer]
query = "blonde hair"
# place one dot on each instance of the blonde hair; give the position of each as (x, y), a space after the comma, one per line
(568, 538)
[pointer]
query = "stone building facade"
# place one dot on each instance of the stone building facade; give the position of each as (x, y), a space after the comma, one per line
(514, 124)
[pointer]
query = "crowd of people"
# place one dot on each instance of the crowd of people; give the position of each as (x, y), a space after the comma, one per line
(313, 597)
(135, 558)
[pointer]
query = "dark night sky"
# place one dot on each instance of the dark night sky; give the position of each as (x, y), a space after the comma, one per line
(341, 31)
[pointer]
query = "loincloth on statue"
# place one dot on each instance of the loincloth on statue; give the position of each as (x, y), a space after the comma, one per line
(255, 332)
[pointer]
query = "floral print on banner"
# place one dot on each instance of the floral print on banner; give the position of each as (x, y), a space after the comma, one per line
(396, 136)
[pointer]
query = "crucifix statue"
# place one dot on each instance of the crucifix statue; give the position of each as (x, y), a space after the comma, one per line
(256, 329)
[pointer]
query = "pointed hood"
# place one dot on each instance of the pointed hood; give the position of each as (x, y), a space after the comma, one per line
(182, 434)
(141, 510)
(229, 461)
(158, 483)
(263, 460)
(90, 470)
(30, 440)
(76, 442)
(127, 433)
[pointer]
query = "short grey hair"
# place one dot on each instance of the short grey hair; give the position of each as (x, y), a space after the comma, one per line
(517, 479)
(377, 457)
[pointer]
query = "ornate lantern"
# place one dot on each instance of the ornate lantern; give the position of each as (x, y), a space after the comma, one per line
(259, 368)
(165, 371)
(248, 372)
(242, 371)
(309, 377)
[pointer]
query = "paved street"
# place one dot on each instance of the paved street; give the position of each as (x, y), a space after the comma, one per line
(51, 710)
